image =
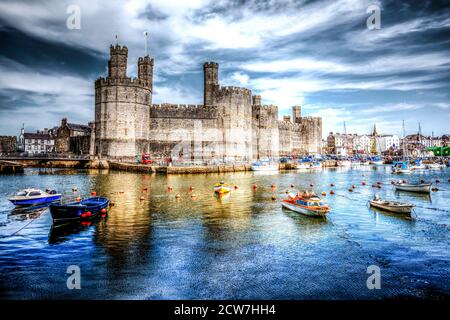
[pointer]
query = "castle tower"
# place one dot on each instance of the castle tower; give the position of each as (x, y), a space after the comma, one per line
(211, 82)
(256, 100)
(117, 64)
(145, 71)
(296, 114)
(122, 108)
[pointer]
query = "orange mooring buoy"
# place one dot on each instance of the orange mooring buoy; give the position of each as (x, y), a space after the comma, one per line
(331, 192)
(193, 195)
(353, 186)
(350, 190)
(103, 210)
(324, 193)
(78, 199)
(191, 188)
(273, 186)
(379, 186)
(434, 189)
(236, 187)
(169, 189)
(274, 198)
(363, 183)
(331, 184)
(93, 193)
(254, 186)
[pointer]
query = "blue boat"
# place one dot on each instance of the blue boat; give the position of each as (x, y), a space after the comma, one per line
(33, 197)
(78, 211)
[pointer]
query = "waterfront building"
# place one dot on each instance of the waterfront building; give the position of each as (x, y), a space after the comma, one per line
(40, 142)
(361, 144)
(230, 125)
(8, 145)
(388, 142)
(72, 138)
(340, 144)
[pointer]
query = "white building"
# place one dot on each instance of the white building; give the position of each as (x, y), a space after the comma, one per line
(387, 141)
(40, 142)
(361, 144)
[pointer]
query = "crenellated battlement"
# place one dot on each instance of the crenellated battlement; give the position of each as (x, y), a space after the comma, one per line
(186, 111)
(100, 82)
(118, 49)
(145, 59)
(210, 64)
(231, 90)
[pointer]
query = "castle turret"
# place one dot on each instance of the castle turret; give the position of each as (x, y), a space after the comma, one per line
(117, 64)
(211, 82)
(256, 100)
(145, 71)
(296, 114)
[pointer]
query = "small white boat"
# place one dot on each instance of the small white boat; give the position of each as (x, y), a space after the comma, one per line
(315, 165)
(31, 197)
(391, 206)
(378, 162)
(365, 163)
(433, 166)
(400, 168)
(264, 166)
(356, 163)
(419, 187)
(302, 165)
(344, 163)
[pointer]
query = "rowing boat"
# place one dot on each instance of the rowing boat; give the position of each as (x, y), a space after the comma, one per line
(418, 187)
(391, 206)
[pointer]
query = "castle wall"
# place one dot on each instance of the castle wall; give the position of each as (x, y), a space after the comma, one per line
(300, 138)
(184, 132)
(235, 120)
(265, 132)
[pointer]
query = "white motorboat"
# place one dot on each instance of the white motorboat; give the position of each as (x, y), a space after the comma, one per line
(377, 162)
(315, 165)
(391, 206)
(264, 166)
(418, 187)
(344, 163)
(401, 168)
(302, 165)
(306, 203)
(433, 166)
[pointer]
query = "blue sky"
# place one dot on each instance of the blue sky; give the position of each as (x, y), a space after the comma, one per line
(318, 54)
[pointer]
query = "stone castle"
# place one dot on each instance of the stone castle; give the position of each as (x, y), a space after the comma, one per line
(230, 125)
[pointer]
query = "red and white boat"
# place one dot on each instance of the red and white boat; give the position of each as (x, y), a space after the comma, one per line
(306, 203)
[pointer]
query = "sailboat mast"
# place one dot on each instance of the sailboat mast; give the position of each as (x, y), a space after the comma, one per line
(403, 136)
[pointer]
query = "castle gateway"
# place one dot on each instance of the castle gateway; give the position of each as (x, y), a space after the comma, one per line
(230, 125)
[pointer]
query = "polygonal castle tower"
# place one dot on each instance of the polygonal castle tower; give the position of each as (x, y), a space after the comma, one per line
(122, 114)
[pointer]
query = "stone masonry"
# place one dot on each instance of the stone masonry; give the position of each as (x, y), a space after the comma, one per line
(231, 124)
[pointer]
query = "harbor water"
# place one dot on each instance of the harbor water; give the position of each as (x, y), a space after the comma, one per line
(153, 245)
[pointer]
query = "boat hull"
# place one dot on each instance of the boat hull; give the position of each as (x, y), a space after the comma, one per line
(77, 211)
(423, 188)
(35, 201)
(265, 168)
(403, 208)
(302, 210)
